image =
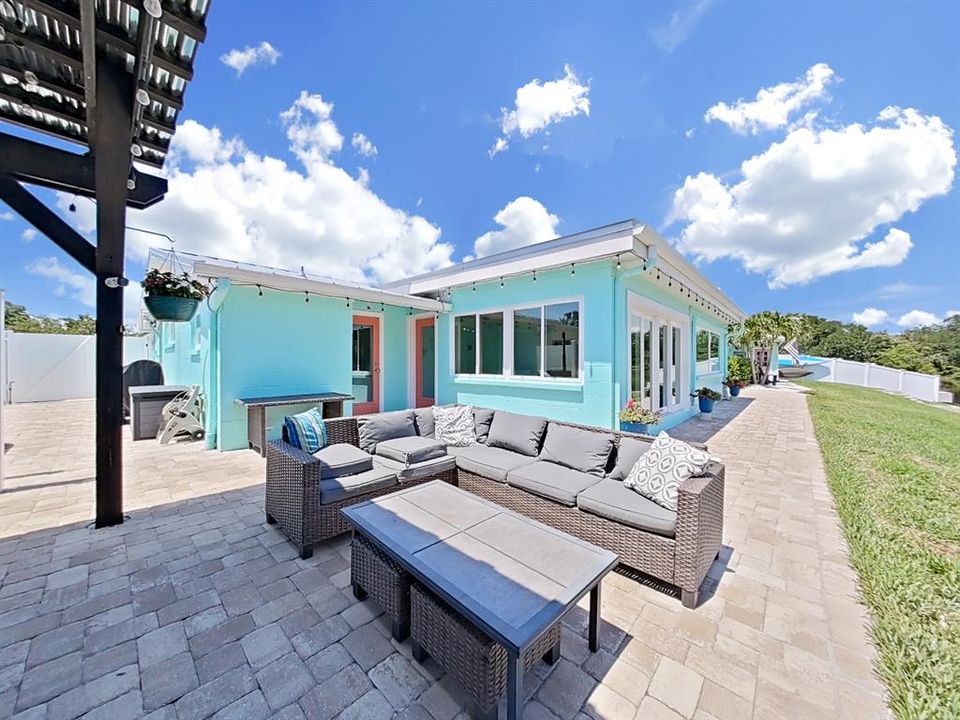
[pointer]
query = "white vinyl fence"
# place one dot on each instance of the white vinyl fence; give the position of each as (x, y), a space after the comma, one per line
(848, 372)
(42, 367)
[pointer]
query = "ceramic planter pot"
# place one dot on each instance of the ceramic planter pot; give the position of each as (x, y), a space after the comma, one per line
(171, 309)
(706, 404)
(734, 390)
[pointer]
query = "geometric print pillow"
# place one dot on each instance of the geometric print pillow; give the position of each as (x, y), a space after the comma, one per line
(454, 426)
(306, 430)
(658, 473)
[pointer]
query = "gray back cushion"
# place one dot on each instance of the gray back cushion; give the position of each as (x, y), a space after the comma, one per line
(482, 417)
(584, 450)
(424, 420)
(519, 433)
(384, 426)
(628, 453)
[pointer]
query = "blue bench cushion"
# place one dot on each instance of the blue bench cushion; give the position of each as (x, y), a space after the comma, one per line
(375, 429)
(342, 459)
(578, 449)
(519, 433)
(419, 470)
(610, 499)
(552, 481)
(334, 490)
(491, 463)
(409, 450)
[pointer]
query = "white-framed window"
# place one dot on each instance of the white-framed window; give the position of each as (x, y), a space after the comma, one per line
(708, 352)
(658, 349)
(537, 340)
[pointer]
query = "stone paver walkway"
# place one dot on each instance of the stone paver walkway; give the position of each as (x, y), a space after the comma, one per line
(196, 608)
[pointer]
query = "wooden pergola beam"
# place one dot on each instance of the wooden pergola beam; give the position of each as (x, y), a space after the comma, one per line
(38, 164)
(46, 221)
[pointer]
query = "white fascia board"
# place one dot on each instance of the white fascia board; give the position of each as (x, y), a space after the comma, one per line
(672, 262)
(293, 283)
(511, 264)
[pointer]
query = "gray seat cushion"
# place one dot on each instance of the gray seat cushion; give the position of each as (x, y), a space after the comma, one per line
(374, 429)
(419, 470)
(628, 452)
(520, 433)
(336, 489)
(552, 481)
(578, 449)
(423, 417)
(409, 450)
(491, 463)
(482, 417)
(342, 459)
(611, 500)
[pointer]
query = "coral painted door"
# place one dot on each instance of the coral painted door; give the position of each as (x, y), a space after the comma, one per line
(366, 364)
(426, 362)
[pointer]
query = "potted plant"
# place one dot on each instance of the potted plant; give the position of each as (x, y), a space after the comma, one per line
(170, 297)
(739, 374)
(638, 419)
(707, 398)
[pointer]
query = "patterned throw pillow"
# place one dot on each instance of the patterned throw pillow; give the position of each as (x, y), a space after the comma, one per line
(658, 473)
(455, 426)
(306, 430)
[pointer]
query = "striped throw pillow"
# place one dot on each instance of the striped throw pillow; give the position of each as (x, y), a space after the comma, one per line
(306, 430)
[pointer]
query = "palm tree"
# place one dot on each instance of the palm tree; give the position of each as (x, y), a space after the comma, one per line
(765, 329)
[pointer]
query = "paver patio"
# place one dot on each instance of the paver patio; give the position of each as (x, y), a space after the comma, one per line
(196, 608)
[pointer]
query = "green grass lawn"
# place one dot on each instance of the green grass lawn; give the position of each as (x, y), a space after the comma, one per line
(894, 469)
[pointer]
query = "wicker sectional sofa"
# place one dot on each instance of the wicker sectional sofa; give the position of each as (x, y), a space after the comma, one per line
(565, 475)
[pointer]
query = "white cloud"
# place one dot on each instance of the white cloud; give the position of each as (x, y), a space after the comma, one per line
(240, 60)
(682, 22)
(950, 314)
(229, 201)
(917, 318)
(688, 134)
(29, 235)
(525, 222)
(6, 216)
(802, 208)
(311, 131)
(869, 317)
(773, 106)
(361, 143)
(540, 104)
(81, 284)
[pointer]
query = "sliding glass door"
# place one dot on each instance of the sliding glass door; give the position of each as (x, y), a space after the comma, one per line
(658, 356)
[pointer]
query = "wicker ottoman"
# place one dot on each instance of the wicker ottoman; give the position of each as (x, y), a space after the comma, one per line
(373, 573)
(478, 663)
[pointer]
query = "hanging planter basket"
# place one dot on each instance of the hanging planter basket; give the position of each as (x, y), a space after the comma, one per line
(167, 308)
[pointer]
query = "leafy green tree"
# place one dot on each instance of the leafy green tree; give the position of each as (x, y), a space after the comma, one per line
(19, 319)
(905, 355)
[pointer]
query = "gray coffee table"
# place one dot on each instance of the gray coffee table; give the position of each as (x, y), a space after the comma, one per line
(510, 576)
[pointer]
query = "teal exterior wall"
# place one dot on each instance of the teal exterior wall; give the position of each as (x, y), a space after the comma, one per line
(588, 401)
(277, 344)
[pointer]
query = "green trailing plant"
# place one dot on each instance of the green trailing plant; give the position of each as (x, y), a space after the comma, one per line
(635, 413)
(168, 284)
(706, 392)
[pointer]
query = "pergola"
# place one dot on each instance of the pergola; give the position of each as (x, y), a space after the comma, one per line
(109, 75)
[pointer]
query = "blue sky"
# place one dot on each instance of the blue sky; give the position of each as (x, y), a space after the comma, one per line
(618, 115)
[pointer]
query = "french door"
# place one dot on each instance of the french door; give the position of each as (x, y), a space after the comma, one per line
(659, 357)
(425, 329)
(366, 364)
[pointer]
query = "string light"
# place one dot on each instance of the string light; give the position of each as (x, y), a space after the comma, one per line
(474, 285)
(534, 275)
(348, 302)
(620, 265)
(501, 281)
(573, 268)
(259, 291)
(306, 296)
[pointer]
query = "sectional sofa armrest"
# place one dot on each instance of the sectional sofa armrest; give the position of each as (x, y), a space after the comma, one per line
(699, 529)
(292, 491)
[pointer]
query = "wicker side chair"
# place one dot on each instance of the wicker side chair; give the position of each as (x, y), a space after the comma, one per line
(292, 494)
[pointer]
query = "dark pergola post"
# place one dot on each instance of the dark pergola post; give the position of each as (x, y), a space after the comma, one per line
(111, 151)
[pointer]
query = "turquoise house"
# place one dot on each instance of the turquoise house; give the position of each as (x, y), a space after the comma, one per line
(569, 329)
